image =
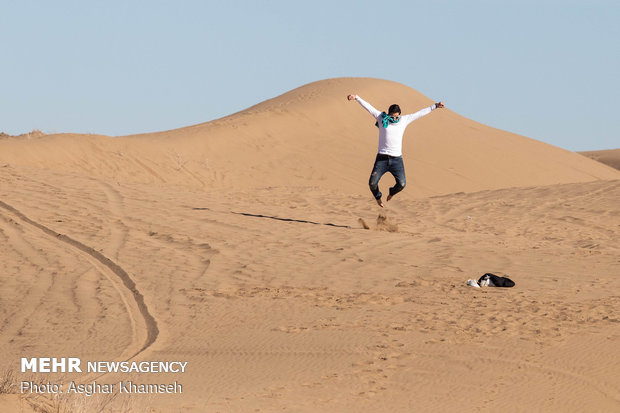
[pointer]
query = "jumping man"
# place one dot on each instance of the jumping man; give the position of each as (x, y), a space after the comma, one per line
(389, 157)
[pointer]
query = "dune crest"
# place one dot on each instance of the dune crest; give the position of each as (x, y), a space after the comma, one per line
(312, 136)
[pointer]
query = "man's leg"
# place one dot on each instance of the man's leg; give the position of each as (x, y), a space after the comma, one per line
(397, 168)
(380, 167)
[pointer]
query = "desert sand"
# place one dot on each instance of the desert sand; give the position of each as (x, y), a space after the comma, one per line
(250, 247)
(609, 157)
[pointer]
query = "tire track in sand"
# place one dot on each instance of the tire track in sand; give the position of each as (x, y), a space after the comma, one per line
(152, 330)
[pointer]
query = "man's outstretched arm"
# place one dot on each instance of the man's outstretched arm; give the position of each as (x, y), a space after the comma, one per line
(374, 112)
(410, 118)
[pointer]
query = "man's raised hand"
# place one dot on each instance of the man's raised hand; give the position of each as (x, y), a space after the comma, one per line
(351, 97)
(439, 105)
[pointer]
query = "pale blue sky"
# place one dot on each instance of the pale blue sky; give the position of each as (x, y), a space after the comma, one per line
(544, 69)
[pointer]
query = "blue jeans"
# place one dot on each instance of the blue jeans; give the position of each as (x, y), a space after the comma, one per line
(391, 164)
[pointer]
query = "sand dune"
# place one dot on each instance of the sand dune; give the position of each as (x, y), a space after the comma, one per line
(313, 136)
(250, 247)
(609, 157)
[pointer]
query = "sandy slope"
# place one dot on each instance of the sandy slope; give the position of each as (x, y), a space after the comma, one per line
(314, 136)
(609, 157)
(276, 295)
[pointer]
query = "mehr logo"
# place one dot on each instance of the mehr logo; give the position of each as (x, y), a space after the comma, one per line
(51, 365)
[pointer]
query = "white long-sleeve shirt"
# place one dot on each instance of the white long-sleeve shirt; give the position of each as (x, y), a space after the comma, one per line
(391, 138)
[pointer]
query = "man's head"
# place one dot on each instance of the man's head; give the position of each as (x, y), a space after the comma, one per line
(394, 111)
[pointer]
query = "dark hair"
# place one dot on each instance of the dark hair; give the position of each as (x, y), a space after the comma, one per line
(394, 109)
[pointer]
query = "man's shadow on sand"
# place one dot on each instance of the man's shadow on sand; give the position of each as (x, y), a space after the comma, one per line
(329, 224)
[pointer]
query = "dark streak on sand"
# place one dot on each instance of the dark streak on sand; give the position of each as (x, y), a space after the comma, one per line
(329, 224)
(151, 323)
